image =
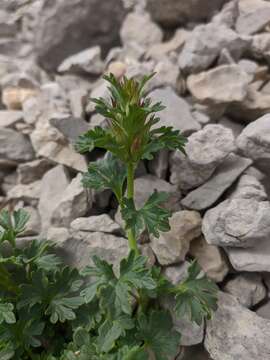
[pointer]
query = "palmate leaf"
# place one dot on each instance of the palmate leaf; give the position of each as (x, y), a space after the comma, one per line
(12, 225)
(108, 173)
(6, 313)
(158, 335)
(164, 138)
(152, 216)
(196, 296)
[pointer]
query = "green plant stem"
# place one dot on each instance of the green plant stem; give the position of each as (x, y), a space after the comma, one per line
(130, 194)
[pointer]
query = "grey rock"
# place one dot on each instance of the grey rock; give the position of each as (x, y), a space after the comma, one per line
(253, 259)
(73, 203)
(210, 258)
(9, 118)
(172, 246)
(86, 61)
(172, 14)
(99, 223)
(32, 171)
(236, 333)
(77, 100)
(204, 44)
(254, 141)
(53, 184)
(70, 127)
(254, 15)
(29, 193)
(222, 85)
(144, 186)
(205, 150)
(176, 273)
(238, 223)
(159, 165)
(61, 23)
(264, 310)
(250, 187)
(177, 113)
(224, 176)
(131, 30)
(247, 288)
(228, 15)
(15, 146)
(236, 127)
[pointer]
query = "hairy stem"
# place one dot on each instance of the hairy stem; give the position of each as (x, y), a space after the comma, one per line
(130, 194)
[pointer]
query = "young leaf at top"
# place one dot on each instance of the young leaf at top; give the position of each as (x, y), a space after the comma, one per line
(107, 173)
(158, 335)
(152, 216)
(196, 296)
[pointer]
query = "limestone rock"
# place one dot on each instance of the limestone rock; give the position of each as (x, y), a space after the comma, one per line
(222, 85)
(70, 127)
(131, 30)
(53, 184)
(205, 150)
(15, 146)
(159, 165)
(177, 113)
(99, 223)
(32, 171)
(9, 118)
(172, 246)
(238, 223)
(176, 273)
(62, 23)
(14, 97)
(254, 141)
(264, 310)
(248, 289)
(252, 259)
(254, 16)
(224, 176)
(204, 44)
(236, 333)
(172, 13)
(210, 259)
(29, 193)
(144, 186)
(86, 61)
(74, 203)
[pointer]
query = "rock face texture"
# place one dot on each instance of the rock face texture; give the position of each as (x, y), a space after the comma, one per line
(212, 60)
(66, 27)
(236, 333)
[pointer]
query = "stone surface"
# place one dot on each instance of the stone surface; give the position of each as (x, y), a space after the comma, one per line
(254, 15)
(248, 289)
(172, 13)
(224, 176)
(222, 85)
(159, 165)
(254, 141)
(102, 223)
(9, 118)
(34, 225)
(236, 333)
(205, 43)
(66, 27)
(73, 203)
(237, 222)
(53, 184)
(177, 113)
(29, 193)
(131, 30)
(86, 61)
(70, 127)
(15, 146)
(172, 246)
(253, 259)
(264, 310)
(32, 171)
(210, 259)
(205, 150)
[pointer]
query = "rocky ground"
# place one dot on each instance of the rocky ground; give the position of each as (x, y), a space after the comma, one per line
(212, 63)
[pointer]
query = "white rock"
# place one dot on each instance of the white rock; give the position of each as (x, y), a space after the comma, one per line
(73, 203)
(254, 16)
(9, 118)
(177, 113)
(14, 146)
(172, 246)
(30, 193)
(99, 223)
(254, 141)
(248, 289)
(236, 333)
(222, 85)
(210, 259)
